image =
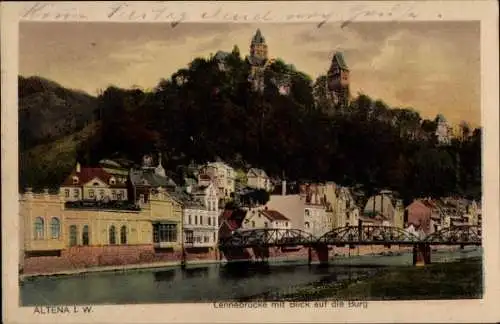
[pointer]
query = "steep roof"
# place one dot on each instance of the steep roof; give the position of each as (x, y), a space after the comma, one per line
(254, 172)
(274, 215)
(339, 58)
(258, 38)
(86, 174)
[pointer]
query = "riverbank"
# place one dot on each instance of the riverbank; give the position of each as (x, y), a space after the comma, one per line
(454, 280)
(345, 255)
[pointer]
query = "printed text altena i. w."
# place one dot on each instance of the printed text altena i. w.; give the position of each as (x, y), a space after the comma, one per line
(46, 310)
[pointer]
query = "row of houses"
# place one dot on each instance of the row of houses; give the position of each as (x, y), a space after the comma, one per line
(108, 205)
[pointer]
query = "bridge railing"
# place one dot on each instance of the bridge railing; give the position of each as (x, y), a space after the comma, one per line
(368, 234)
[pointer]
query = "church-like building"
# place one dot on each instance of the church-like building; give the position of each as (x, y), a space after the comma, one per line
(338, 77)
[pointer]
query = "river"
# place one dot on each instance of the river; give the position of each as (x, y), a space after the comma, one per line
(207, 283)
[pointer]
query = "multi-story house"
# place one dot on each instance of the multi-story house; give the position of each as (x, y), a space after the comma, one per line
(386, 206)
(92, 183)
(258, 179)
(98, 233)
(115, 169)
(262, 217)
(148, 177)
(291, 205)
(222, 175)
(200, 225)
(201, 216)
(425, 215)
(317, 218)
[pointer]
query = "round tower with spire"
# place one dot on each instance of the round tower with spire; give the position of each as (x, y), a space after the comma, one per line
(159, 170)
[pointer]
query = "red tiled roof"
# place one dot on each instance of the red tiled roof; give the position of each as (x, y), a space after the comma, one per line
(86, 174)
(274, 215)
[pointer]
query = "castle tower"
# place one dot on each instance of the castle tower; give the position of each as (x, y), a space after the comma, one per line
(257, 59)
(338, 77)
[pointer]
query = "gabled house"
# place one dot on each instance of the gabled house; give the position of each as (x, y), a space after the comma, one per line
(265, 218)
(257, 178)
(92, 183)
(144, 180)
(221, 174)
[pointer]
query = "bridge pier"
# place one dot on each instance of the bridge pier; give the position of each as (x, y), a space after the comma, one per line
(421, 254)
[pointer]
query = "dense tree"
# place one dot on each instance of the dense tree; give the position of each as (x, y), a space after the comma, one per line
(203, 112)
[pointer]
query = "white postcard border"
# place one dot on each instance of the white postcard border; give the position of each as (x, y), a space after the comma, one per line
(485, 310)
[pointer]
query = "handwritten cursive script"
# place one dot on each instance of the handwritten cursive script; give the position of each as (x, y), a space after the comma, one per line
(125, 11)
(48, 11)
(396, 12)
(169, 12)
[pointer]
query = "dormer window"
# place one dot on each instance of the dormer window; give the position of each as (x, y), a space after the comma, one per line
(112, 181)
(95, 184)
(75, 180)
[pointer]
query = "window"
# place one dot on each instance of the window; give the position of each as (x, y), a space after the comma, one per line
(307, 225)
(189, 219)
(112, 181)
(112, 235)
(141, 198)
(66, 193)
(209, 221)
(253, 223)
(266, 225)
(189, 237)
(55, 228)
(201, 220)
(85, 235)
(73, 235)
(75, 180)
(39, 228)
(196, 219)
(113, 195)
(120, 195)
(206, 239)
(165, 233)
(101, 193)
(214, 236)
(91, 193)
(123, 235)
(76, 193)
(307, 212)
(286, 224)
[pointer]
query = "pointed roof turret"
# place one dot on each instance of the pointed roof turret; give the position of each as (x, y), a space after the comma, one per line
(258, 38)
(159, 170)
(339, 58)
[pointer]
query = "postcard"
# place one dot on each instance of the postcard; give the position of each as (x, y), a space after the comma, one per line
(250, 162)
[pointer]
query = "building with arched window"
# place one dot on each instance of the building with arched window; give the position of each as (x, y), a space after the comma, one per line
(92, 233)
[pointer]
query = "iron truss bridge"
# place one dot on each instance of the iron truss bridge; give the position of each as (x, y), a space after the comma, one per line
(351, 235)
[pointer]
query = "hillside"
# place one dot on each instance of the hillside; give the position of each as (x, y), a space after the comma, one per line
(48, 111)
(204, 112)
(46, 165)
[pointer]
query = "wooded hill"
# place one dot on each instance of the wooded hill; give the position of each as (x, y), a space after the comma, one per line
(203, 112)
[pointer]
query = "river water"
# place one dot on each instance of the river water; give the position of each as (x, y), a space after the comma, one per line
(207, 283)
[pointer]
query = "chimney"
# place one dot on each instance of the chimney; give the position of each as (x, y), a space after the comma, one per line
(283, 188)
(78, 167)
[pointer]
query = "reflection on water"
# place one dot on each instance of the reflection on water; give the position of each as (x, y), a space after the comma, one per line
(206, 283)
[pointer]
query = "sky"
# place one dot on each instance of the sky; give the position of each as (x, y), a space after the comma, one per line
(432, 67)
